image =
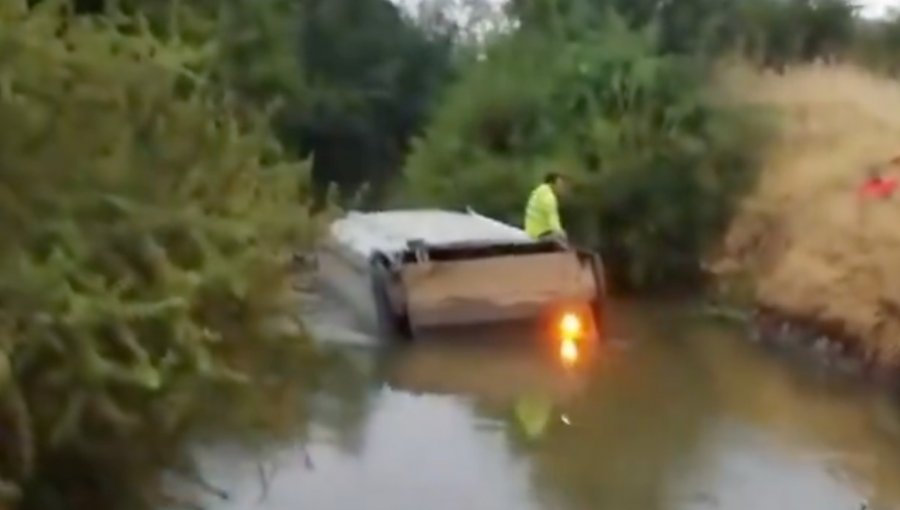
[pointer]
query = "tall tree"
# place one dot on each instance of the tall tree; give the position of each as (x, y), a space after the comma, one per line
(371, 78)
(658, 162)
(354, 79)
(777, 29)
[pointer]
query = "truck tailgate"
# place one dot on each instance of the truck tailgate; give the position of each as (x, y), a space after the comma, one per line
(496, 288)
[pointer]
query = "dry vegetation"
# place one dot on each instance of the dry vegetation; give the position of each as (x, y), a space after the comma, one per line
(813, 248)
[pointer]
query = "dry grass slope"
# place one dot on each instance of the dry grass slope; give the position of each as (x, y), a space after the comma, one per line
(809, 244)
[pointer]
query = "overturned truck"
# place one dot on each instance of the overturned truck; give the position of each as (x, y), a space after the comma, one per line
(404, 271)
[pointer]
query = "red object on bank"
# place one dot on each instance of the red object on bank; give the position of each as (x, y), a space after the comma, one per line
(878, 187)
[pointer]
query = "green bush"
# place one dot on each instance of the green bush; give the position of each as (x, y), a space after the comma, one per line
(657, 157)
(143, 270)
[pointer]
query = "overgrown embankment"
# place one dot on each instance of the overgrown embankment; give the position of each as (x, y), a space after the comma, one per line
(143, 275)
(811, 246)
(658, 159)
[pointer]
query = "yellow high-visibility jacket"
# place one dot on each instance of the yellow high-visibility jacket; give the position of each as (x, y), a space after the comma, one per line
(542, 212)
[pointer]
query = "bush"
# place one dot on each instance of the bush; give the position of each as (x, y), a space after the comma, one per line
(142, 263)
(658, 158)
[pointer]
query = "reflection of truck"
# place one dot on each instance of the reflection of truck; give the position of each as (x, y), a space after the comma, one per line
(408, 270)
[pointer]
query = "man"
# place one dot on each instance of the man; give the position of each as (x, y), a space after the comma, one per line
(542, 211)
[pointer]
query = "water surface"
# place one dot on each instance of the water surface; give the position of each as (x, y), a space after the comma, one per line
(680, 414)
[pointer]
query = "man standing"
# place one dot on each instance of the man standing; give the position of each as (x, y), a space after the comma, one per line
(542, 211)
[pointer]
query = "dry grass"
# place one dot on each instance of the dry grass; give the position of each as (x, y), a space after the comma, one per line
(811, 246)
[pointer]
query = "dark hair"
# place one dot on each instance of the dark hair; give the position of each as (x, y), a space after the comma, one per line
(552, 178)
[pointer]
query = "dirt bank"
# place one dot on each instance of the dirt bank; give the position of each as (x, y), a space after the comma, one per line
(810, 245)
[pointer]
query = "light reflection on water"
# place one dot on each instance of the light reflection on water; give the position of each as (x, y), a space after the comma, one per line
(682, 415)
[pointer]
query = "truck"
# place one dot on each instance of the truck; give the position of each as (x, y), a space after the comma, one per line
(406, 271)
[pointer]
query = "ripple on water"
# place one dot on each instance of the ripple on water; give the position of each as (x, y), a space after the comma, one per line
(689, 417)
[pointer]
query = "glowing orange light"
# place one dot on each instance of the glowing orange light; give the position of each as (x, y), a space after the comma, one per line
(570, 325)
(568, 351)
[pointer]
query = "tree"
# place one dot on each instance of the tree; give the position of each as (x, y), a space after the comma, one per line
(350, 81)
(146, 228)
(682, 26)
(371, 77)
(658, 160)
(466, 23)
(878, 44)
(774, 29)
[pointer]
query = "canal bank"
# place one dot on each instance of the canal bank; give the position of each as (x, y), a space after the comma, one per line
(809, 248)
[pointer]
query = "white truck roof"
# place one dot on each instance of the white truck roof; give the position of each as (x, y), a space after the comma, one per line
(389, 231)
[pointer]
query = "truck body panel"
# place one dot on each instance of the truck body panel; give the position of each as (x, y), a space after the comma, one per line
(505, 287)
(431, 268)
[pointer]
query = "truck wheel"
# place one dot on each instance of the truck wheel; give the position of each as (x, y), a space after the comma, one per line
(391, 324)
(599, 301)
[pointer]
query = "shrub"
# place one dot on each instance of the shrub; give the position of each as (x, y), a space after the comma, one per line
(657, 156)
(142, 263)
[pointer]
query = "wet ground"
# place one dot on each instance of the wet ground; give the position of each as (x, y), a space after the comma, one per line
(681, 413)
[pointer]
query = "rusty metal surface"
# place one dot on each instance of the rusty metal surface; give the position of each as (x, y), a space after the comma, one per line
(496, 288)
(479, 289)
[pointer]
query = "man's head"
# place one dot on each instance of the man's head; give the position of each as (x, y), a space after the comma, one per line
(557, 182)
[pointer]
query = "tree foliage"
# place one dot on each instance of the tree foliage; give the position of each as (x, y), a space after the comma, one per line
(145, 233)
(349, 81)
(372, 78)
(879, 44)
(658, 160)
(777, 31)
(620, 93)
(146, 203)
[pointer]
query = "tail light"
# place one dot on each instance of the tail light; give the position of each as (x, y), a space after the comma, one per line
(569, 351)
(571, 333)
(570, 325)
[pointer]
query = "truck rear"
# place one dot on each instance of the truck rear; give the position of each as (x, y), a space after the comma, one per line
(411, 270)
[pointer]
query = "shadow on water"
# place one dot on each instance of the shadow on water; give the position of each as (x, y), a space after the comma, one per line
(632, 430)
(680, 414)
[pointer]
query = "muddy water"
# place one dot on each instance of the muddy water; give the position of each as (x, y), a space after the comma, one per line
(680, 414)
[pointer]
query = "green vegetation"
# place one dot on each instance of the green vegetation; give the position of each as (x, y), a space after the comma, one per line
(622, 95)
(371, 79)
(657, 158)
(143, 263)
(151, 184)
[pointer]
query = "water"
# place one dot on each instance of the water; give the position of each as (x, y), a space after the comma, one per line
(681, 414)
